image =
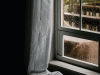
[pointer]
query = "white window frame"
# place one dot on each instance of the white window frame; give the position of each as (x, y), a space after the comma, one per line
(60, 31)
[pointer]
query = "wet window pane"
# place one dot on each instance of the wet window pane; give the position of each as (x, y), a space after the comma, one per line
(91, 15)
(71, 13)
(81, 49)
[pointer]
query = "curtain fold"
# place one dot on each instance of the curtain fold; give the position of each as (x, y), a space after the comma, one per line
(42, 15)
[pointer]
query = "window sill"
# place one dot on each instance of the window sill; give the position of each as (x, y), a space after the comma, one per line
(72, 67)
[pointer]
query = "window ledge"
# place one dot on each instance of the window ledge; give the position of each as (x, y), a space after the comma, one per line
(73, 67)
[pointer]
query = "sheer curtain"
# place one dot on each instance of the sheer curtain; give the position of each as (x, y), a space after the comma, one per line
(42, 14)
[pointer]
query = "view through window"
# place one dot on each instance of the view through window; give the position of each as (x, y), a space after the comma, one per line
(90, 15)
(77, 32)
(78, 48)
(81, 49)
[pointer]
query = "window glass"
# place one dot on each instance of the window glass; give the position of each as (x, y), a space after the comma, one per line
(81, 49)
(91, 15)
(71, 13)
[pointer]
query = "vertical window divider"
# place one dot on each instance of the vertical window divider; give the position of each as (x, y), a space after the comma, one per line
(80, 25)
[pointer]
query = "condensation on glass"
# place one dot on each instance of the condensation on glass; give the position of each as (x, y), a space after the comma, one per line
(90, 15)
(81, 49)
(71, 13)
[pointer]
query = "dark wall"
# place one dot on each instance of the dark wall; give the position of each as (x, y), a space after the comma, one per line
(19, 29)
(15, 34)
(28, 27)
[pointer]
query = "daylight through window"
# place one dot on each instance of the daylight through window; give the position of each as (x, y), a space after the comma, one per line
(90, 15)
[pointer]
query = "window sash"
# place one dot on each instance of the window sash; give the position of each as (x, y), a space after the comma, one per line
(60, 31)
(60, 16)
(60, 52)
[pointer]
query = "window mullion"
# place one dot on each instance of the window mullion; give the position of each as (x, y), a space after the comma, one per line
(80, 27)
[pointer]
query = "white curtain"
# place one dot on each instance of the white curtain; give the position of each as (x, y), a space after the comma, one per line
(42, 11)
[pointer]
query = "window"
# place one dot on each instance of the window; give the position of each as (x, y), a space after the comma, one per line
(77, 32)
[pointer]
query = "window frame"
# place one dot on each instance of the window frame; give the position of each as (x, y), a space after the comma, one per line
(59, 31)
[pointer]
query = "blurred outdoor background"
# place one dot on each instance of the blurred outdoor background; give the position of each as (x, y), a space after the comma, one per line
(90, 14)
